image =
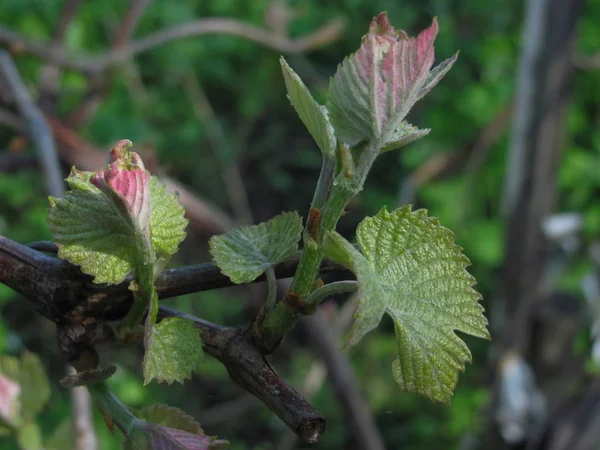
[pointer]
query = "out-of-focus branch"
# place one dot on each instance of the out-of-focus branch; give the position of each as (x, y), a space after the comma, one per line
(50, 73)
(343, 383)
(230, 172)
(94, 64)
(13, 162)
(99, 83)
(129, 23)
(37, 127)
(582, 61)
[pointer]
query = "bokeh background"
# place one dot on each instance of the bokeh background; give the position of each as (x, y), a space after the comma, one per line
(210, 111)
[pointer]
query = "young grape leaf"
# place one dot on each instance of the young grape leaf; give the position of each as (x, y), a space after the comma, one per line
(160, 437)
(168, 220)
(169, 416)
(174, 350)
(375, 88)
(245, 253)
(403, 135)
(101, 221)
(411, 269)
(91, 232)
(313, 116)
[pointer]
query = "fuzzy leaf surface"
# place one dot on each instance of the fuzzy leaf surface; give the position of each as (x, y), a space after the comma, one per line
(174, 350)
(375, 88)
(245, 253)
(313, 116)
(112, 218)
(410, 268)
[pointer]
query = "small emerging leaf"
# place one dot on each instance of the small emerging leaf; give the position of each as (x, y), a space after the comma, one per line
(171, 417)
(245, 253)
(160, 437)
(174, 350)
(166, 427)
(313, 116)
(403, 135)
(110, 219)
(375, 88)
(411, 269)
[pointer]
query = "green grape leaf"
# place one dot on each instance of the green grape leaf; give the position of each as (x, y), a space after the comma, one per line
(91, 232)
(168, 220)
(112, 218)
(174, 350)
(35, 387)
(411, 269)
(245, 253)
(313, 116)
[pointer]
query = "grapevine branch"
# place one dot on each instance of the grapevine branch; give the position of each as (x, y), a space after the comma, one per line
(81, 309)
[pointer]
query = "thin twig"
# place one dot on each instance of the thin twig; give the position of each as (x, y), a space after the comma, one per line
(50, 73)
(38, 128)
(99, 83)
(344, 384)
(14, 162)
(583, 61)
(94, 64)
(129, 23)
(225, 155)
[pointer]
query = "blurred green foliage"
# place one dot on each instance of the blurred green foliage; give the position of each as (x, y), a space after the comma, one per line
(150, 103)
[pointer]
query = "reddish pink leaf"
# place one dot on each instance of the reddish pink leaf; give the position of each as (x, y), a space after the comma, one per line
(126, 180)
(374, 89)
(166, 438)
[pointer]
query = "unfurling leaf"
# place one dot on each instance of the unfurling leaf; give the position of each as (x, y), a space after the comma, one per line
(125, 181)
(313, 116)
(411, 269)
(375, 88)
(245, 253)
(174, 350)
(113, 218)
(169, 416)
(166, 427)
(160, 437)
